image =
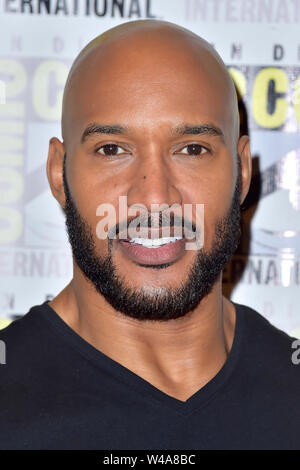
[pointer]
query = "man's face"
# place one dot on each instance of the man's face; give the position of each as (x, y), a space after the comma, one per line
(149, 107)
(163, 303)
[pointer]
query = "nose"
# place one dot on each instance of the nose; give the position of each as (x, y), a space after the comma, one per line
(154, 182)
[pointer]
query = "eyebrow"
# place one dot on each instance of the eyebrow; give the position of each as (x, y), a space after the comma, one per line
(183, 129)
(201, 129)
(95, 128)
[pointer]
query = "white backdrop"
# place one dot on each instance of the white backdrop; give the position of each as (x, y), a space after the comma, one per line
(258, 40)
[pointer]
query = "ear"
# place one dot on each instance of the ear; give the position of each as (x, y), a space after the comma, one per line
(243, 148)
(55, 169)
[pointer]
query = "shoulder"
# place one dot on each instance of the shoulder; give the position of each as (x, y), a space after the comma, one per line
(27, 323)
(25, 341)
(256, 323)
(266, 348)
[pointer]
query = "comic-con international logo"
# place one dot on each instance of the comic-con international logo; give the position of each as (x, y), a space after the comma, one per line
(279, 208)
(99, 8)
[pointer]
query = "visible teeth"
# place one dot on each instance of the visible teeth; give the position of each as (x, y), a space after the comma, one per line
(154, 242)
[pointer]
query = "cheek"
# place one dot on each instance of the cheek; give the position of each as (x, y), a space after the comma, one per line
(86, 204)
(89, 191)
(215, 190)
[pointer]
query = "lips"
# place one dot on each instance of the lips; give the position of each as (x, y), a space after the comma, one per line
(140, 254)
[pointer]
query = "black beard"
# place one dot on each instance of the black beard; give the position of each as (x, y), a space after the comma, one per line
(163, 303)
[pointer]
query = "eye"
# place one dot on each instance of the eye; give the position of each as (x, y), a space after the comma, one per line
(193, 150)
(110, 150)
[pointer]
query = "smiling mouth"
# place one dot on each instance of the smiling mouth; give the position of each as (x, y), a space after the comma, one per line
(153, 242)
(153, 251)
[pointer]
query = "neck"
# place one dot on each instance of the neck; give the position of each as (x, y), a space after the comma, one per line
(177, 356)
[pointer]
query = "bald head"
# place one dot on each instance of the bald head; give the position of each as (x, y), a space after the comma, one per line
(152, 52)
(150, 114)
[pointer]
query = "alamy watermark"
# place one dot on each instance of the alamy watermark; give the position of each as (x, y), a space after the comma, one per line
(2, 352)
(296, 354)
(163, 221)
(2, 92)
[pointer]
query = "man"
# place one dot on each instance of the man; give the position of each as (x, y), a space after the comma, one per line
(141, 350)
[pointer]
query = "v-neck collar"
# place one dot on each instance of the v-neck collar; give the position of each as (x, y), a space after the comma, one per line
(136, 382)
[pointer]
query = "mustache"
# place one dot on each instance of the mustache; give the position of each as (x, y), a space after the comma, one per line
(156, 221)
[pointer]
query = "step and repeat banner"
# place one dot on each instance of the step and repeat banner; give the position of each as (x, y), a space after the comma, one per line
(258, 40)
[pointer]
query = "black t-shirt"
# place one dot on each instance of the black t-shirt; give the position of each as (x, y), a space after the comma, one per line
(59, 392)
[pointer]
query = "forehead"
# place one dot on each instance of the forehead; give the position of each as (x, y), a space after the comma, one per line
(148, 82)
